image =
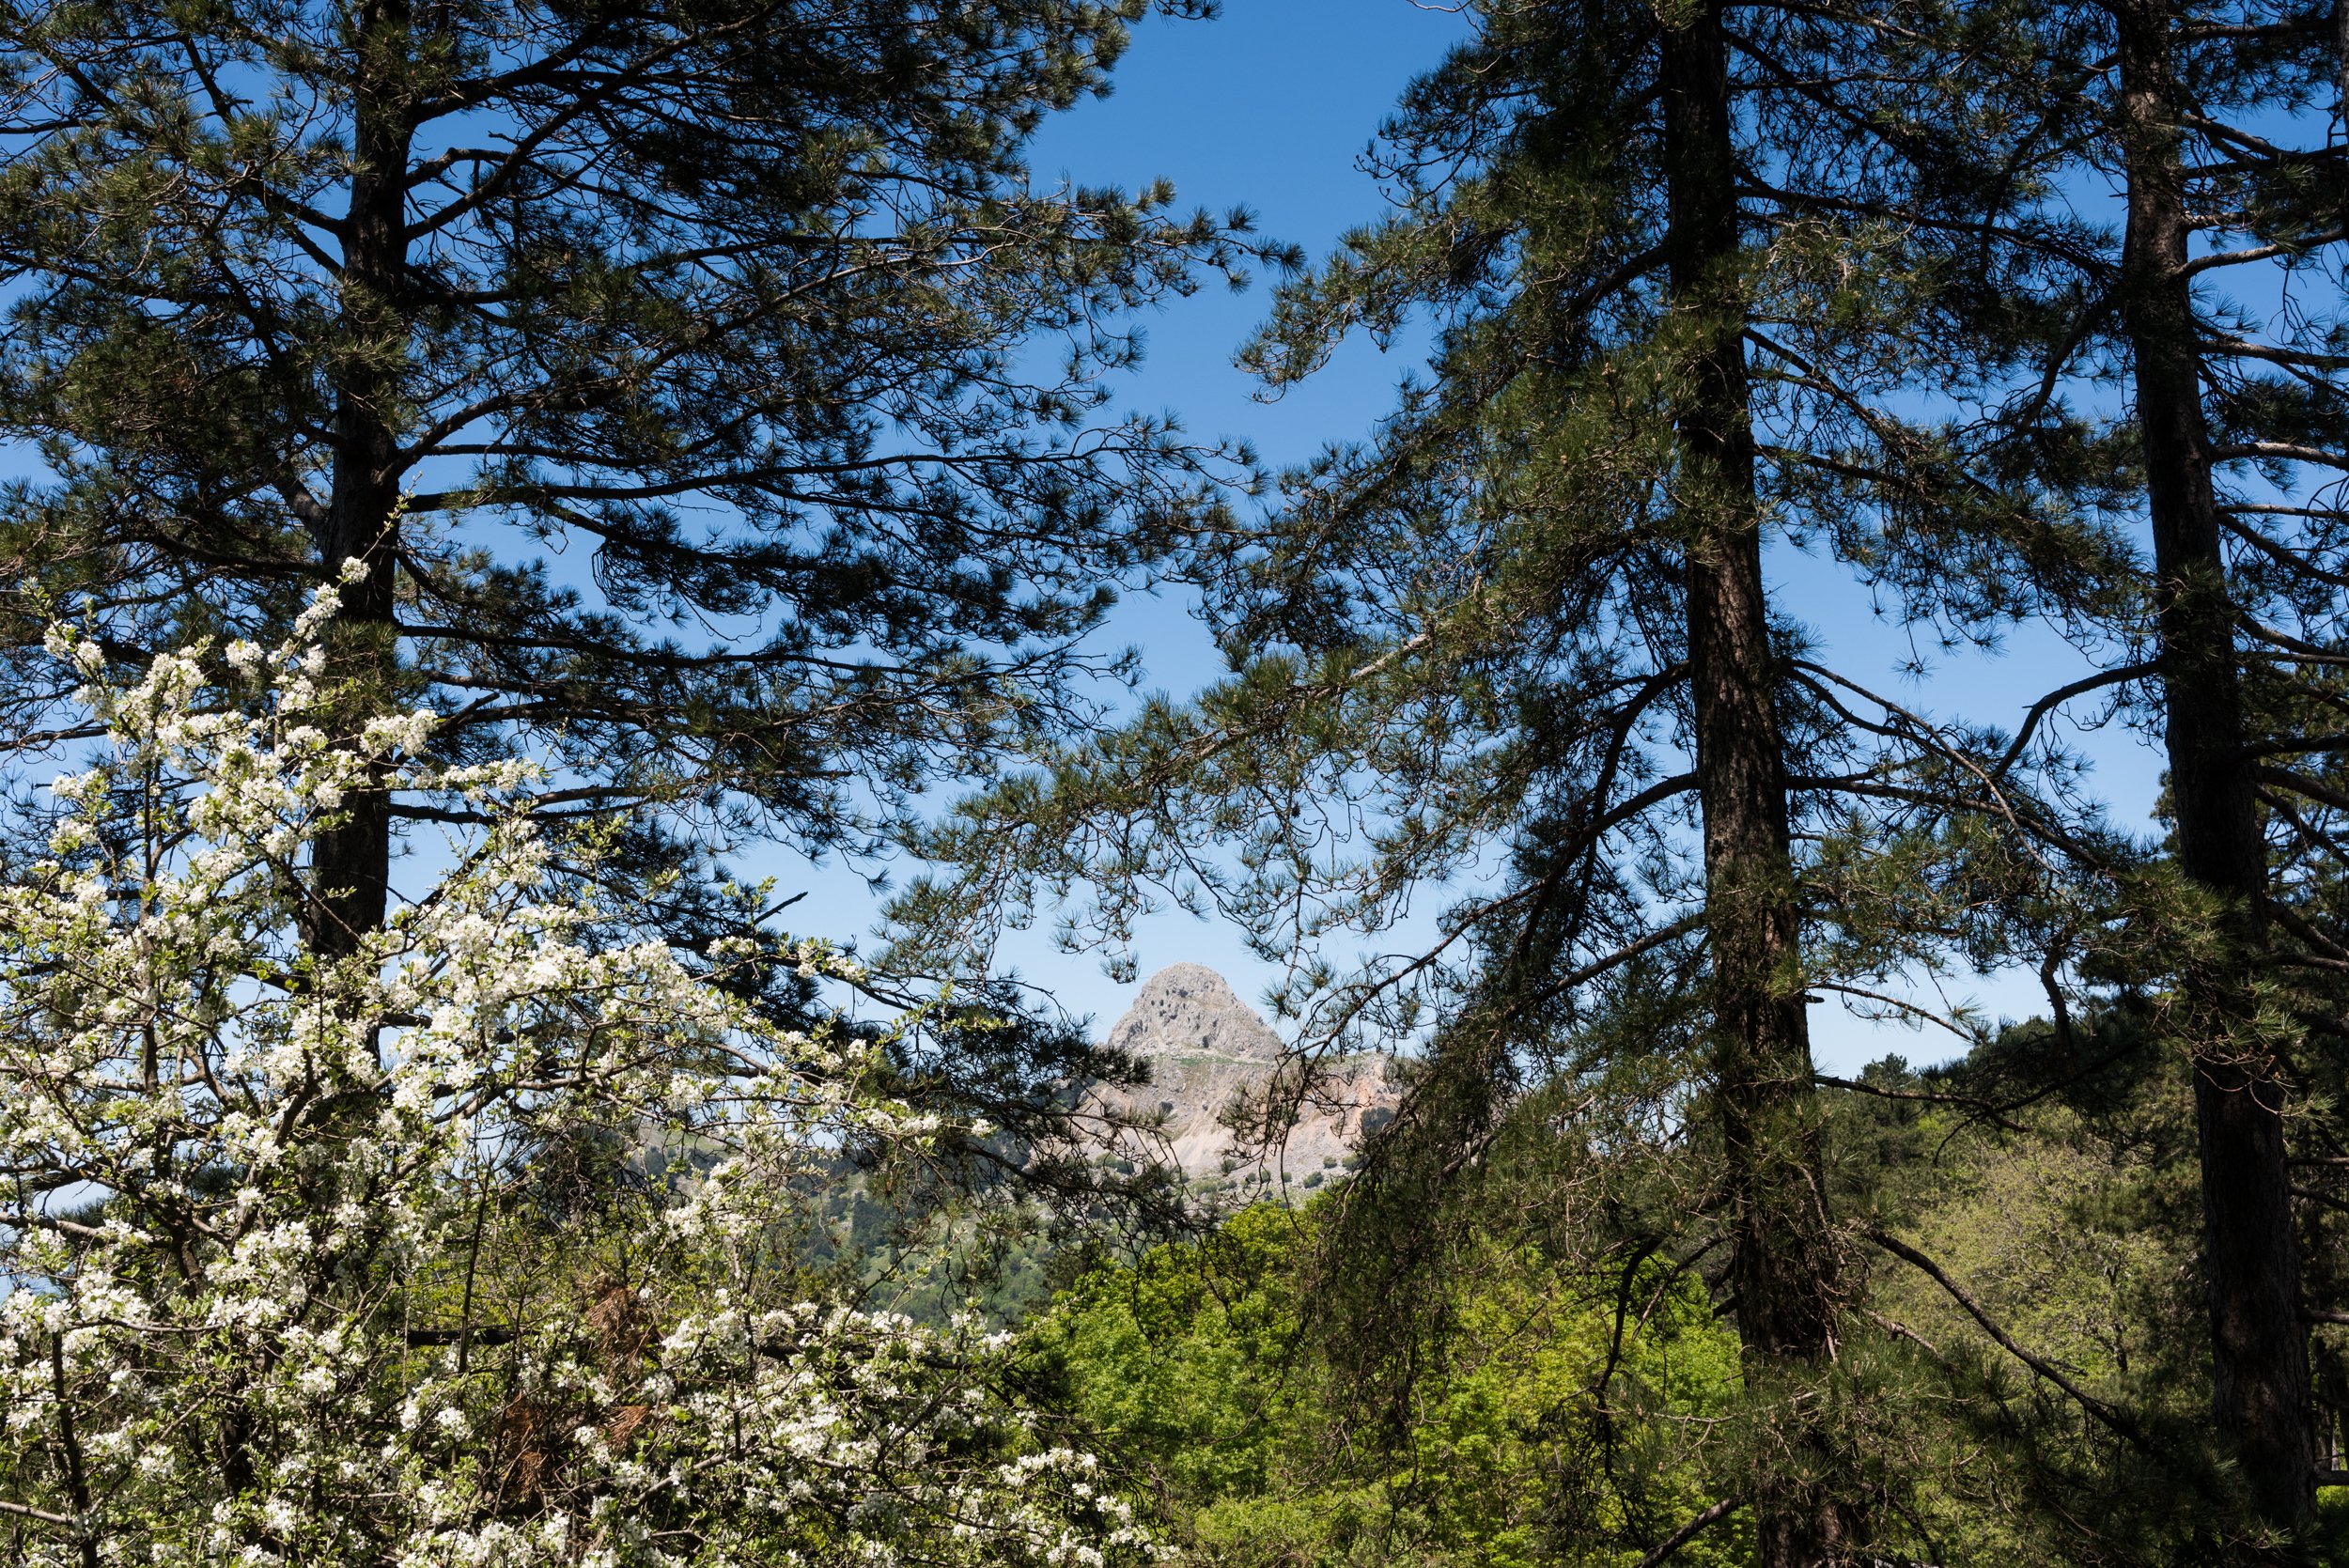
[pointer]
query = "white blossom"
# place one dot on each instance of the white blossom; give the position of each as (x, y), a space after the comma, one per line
(289, 1254)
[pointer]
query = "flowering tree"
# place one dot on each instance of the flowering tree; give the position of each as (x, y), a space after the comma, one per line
(472, 1247)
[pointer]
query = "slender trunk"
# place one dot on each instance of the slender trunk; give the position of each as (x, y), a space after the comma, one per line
(69, 1442)
(352, 861)
(1784, 1267)
(2260, 1348)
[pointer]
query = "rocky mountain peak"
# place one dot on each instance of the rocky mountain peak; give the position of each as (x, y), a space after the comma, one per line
(1187, 1010)
(1206, 1048)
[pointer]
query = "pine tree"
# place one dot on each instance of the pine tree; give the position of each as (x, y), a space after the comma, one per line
(1688, 269)
(1785, 1270)
(706, 390)
(2260, 1387)
(2216, 302)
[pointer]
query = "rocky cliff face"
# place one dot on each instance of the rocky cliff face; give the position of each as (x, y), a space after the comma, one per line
(1206, 1049)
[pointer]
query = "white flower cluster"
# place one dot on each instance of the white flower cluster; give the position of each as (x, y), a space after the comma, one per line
(475, 1244)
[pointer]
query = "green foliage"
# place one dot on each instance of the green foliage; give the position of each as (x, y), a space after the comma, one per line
(1203, 1369)
(2050, 1178)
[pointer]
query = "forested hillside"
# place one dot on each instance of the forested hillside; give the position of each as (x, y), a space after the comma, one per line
(604, 638)
(2033, 1395)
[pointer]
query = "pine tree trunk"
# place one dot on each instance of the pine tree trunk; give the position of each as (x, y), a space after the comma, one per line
(352, 861)
(2260, 1348)
(1783, 1268)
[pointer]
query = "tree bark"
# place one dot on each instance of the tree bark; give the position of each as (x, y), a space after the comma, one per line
(2260, 1351)
(351, 862)
(1784, 1266)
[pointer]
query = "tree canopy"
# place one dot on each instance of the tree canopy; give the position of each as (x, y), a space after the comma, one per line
(713, 398)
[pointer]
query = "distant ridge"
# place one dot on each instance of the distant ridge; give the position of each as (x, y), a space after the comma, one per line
(1207, 1047)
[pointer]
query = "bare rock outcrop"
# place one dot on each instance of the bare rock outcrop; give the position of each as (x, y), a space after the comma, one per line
(1208, 1050)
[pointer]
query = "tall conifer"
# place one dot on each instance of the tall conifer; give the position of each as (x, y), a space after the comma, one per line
(703, 386)
(1686, 266)
(2215, 300)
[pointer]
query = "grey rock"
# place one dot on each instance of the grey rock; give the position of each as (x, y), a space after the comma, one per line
(1207, 1050)
(1189, 1010)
